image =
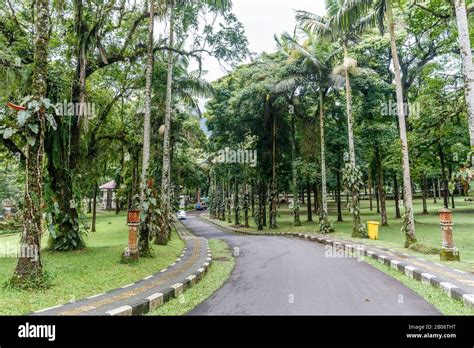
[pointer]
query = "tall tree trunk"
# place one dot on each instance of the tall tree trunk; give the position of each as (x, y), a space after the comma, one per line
(424, 185)
(350, 136)
(338, 190)
(246, 206)
(377, 199)
(316, 198)
(166, 170)
(144, 232)
(229, 202)
(444, 177)
(468, 71)
(308, 199)
(265, 196)
(252, 199)
(223, 203)
(29, 271)
(407, 193)
(261, 205)
(324, 199)
(296, 204)
(273, 198)
(94, 207)
(371, 206)
(453, 206)
(236, 204)
(381, 188)
(398, 215)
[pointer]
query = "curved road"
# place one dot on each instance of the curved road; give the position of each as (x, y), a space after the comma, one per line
(289, 276)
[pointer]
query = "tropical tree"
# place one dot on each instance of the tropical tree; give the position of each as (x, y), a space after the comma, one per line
(337, 26)
(143, 244)
(29, 272)
(371, 13)
(317, 59)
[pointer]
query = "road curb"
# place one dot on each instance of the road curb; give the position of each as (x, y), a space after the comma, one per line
(175, 291)
(411, 272)
(142, 305)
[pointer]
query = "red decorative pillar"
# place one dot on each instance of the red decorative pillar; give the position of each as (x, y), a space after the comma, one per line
(448, 251)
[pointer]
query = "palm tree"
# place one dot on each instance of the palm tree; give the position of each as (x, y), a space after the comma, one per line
(144, 237)
(371, 13)
(219, 5)
(318, 60)
(148, 92)
(165, 176)
(290, 85)
(29, 271)
(337, 27)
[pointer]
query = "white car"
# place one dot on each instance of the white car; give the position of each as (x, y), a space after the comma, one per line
(181, 214)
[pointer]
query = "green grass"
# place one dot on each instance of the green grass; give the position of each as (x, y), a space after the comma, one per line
(427, 228)
(220, 269)
(435, 296)
(83, 273)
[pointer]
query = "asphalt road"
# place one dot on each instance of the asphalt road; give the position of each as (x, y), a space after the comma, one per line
(289, 276)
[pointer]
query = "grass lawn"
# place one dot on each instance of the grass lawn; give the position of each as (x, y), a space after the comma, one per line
(446, 305)
(427, 227)
(83, 273)
(220, 269)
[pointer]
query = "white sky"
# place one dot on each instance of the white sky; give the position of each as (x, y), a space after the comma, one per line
(262, 19)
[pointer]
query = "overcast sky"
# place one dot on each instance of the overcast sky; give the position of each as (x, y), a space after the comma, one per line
(262, 19)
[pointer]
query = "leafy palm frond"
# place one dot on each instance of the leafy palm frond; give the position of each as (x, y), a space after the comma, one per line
(310, 21)
(288, 84)
(195, 86)
(314, 60)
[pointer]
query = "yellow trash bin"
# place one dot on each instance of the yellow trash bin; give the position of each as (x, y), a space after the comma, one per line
(373, 229)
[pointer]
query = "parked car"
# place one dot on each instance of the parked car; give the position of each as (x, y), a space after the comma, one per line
(181, 215)
(198, 206)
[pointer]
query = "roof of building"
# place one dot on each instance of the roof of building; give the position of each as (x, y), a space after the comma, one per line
(108, 185)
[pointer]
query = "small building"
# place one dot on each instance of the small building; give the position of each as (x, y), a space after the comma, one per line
(107, 195)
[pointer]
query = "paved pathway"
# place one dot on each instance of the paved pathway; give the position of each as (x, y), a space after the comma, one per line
(151, 291)
(279, 275)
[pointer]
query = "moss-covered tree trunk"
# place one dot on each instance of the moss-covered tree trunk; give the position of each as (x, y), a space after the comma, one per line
(352, 158)
(246, 206)
(294, 173)
(381, 188)
(236, 204)
(166, 169)
(273, 194)
(228, 202)
(308, 201)
(94, 207)
(261, 205)
(144, 233)
(338, 195)
(28, 271)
